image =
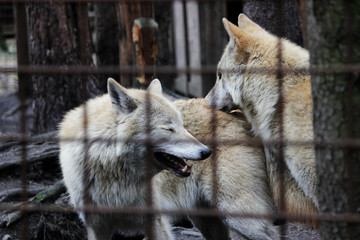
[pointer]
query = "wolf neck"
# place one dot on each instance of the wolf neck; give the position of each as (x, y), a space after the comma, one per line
(262, 113)
(123, 161)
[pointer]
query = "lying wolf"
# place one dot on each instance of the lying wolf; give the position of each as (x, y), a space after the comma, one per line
(243, 82)
(116, 170)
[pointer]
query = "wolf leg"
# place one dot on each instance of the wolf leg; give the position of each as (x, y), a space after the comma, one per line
(251, 202)
(212, 228)
(98, 226)
(256, 229)
(303, 171)
(98, 233)
(161, 228)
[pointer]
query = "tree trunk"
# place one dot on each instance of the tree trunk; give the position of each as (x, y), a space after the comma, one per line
(332, 40)
(107, 39)
(211, 29)
(54, 39)
(281, 18)
(166, 56)
(145, 34)
(127, 12)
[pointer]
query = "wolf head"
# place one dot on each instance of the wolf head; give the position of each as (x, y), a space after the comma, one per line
(147, 116)
(246, 73)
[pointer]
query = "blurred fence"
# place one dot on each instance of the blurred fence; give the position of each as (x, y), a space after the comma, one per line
(195, 44)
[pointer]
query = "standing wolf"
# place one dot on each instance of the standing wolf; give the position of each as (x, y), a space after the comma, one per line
(242, 82)
(114, 162)
(116, 170)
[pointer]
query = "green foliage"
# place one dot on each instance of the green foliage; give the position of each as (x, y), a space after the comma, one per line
(40, 197)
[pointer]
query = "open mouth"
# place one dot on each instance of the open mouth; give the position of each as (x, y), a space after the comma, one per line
(176, 165)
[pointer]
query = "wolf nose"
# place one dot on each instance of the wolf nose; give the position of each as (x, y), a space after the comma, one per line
(205, 153)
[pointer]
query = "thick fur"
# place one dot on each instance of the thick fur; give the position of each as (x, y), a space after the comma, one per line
(111, 169)
(241, 175)
(243, 81)
(116, 173)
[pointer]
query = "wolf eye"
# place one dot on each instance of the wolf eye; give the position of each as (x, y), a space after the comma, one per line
(170, 129)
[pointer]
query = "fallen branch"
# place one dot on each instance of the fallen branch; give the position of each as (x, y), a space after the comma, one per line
(51, 193)
(12, 194)
(48, 195)
(9, 218)
(38, 148)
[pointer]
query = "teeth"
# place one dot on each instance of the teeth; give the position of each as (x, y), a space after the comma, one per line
(175, 161)
(169, 157)
(188, 163)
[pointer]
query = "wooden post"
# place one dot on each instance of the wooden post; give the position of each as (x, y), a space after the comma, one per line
(181, 81)
(126, 13)
(211, 29)
(194, 47)
(187, 45)
(107, 39)
(145, 43)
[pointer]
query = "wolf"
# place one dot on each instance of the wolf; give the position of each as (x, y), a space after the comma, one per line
(103, 161)
(111, 170)
(243, 83)
(242, 184)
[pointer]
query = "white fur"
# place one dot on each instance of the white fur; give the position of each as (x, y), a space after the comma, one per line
(115, 158)
(118, 175)
(256, 92)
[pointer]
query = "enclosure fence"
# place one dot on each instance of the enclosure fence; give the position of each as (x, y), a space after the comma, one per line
(189, 72)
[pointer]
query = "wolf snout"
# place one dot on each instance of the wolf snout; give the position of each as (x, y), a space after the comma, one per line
(205, 153)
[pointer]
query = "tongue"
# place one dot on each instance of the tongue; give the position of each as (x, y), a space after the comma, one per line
(184, 167)
(181, 164)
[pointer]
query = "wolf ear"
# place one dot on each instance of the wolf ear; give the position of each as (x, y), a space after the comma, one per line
(155, 87)
(245, 22)
(241, 38)
(119, 97)
(229, 27)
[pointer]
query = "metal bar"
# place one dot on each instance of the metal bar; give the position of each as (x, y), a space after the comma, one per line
(149, 169)
(128, 69)
(23, 142)
(279, 70)
(105, 1)
(22, 94)
(82, 22)
(22, 52)
(281, 147)
(341, 143)
(349, 217)
(350, 153)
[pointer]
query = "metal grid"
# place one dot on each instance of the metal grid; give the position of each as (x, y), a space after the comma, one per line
(84, 69)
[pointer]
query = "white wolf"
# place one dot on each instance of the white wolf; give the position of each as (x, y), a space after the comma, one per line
(116, 170)
(240, 84)
(116, 173)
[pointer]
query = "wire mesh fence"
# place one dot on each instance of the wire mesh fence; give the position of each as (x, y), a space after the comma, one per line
(210, 206)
